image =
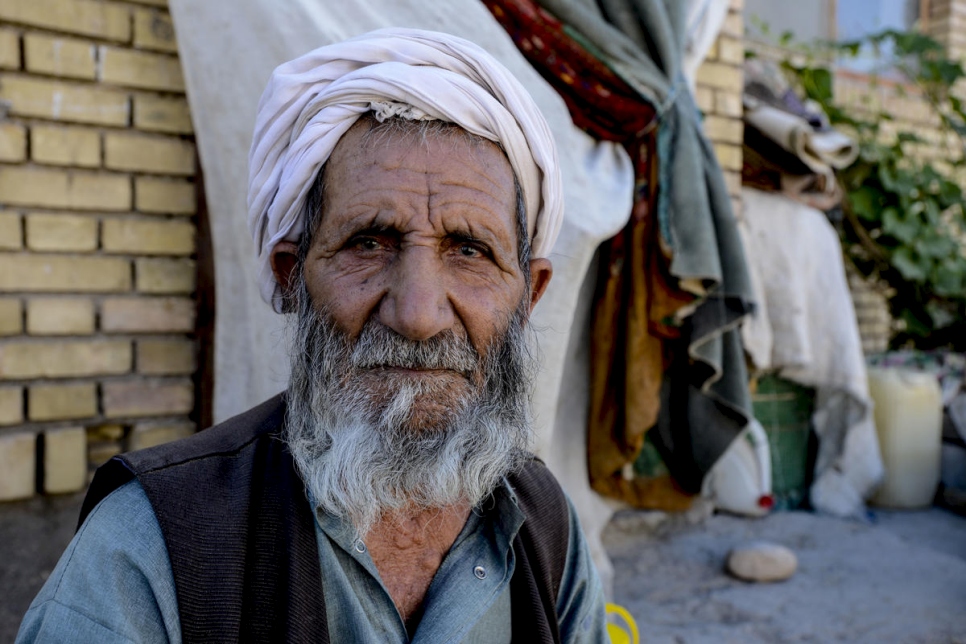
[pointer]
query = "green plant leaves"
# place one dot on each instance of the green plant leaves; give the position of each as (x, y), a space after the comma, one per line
(905, 229)
(866, 202)
(909, 264)
(949, 277)
(904, 208)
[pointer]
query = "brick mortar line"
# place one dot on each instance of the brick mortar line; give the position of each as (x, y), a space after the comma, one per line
(38, 427)
(89, 83)
(30, 121)
(98, 171)
(24, 27)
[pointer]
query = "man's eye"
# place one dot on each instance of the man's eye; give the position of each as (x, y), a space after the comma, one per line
(468, 250)
(366, 243)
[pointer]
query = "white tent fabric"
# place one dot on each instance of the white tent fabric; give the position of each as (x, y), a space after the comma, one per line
(228, 49)
(805, 328)
(705, 19)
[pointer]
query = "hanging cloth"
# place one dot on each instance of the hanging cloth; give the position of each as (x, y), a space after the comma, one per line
(681, 232)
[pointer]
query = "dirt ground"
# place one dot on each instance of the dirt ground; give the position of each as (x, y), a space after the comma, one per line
(901, 577)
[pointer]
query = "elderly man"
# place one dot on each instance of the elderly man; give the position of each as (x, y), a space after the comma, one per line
(403, 197)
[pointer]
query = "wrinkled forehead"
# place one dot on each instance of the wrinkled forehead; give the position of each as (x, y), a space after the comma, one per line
(410, 154)
(393, 140)
(368, 133)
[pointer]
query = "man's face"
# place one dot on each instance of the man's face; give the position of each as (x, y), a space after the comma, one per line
(419, 237)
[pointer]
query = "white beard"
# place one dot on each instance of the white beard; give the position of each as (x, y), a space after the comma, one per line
(362, 438)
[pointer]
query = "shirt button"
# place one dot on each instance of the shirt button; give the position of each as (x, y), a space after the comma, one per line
(480, 572)
(360, 547)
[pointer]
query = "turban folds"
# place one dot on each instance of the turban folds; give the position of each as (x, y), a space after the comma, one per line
(312, 101)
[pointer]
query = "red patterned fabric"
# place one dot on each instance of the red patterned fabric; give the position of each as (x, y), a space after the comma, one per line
(600, 102)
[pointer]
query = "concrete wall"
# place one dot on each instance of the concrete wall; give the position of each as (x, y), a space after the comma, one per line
(97, 239)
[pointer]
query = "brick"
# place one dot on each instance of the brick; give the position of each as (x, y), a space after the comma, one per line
(724, 130)
(162, 114)
(54, 273)
(57, 273)
(704, 98)
(46, 232)
(720, 76)
(100, 19)
(56, 56)
(105, 433)
(11, 317)
(165, 276)
(153, 29)
(147, 398)
(161, 155)
(65, 460)
(147, 237)
(172, 196)
(73, 146)
(11, 233)
(74, 189)
(734, 25)
(61, 402)
(64, 359)
(13, 142)
(100, 453)
(9, 49)
(166, 357)
(729, 156)
(18, 469)
(728, 103)
(148, 315)
(61, 101)
(146, 435)
(60, 316)
(141, 69)
(11, 405)
(731, 51)
(712, 52)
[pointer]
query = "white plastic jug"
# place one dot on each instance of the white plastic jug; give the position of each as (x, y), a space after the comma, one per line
(908, 421)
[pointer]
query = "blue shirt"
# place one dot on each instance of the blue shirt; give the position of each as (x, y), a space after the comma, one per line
(114, 583)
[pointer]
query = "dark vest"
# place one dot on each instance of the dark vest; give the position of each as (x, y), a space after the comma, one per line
(241, 535)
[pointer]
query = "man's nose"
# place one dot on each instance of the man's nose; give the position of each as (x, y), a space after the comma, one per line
(417, 303)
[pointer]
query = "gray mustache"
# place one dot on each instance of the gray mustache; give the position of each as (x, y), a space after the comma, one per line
(379, 346)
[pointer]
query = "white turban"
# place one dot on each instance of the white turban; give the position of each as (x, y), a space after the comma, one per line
(312, 101)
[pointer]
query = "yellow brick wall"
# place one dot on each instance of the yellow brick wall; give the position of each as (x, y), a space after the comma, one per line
(909, 110)
(947, 24)
(97, 239)
(718, 94)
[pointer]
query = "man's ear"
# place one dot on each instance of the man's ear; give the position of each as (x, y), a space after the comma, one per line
(285, 259)
(541, 270)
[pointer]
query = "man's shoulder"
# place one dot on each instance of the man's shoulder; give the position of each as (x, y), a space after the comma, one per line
(536, 486)
(205, 458)
(225, 439)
